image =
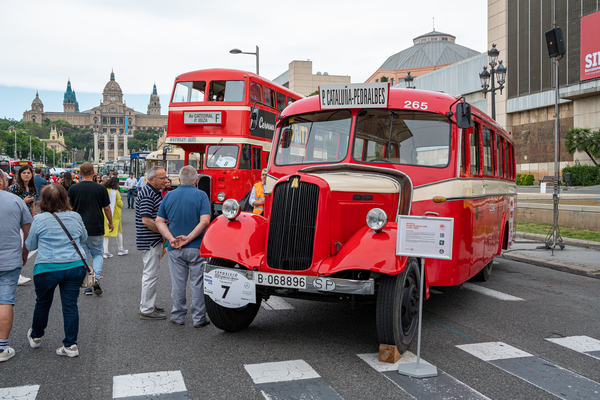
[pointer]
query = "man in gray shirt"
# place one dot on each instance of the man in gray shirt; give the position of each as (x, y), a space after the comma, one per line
(13, 255)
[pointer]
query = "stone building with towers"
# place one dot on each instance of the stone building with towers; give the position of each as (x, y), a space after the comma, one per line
(112, 121)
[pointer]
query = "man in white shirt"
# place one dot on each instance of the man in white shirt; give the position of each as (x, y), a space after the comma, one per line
(130, 185)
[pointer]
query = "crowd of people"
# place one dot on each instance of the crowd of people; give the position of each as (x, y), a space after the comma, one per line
(88, 209)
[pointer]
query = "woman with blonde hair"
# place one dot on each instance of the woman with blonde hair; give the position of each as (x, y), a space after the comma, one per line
(112, 185)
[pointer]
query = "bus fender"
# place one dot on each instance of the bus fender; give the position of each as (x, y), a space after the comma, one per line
(246, 234)
(368, 250)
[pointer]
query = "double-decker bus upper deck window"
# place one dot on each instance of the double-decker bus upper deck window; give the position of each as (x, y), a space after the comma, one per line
(269, 97)
(499, 170)
(187, 92)
(280, 101)
(488, 168)
(226, 91)
(403, 137)
(221, 156)
(255, 92)
(474, 149)
(314, 138)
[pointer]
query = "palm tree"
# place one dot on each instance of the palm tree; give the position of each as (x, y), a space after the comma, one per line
(583, 139)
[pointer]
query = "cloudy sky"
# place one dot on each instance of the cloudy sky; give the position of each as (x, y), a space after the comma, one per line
(45, 43)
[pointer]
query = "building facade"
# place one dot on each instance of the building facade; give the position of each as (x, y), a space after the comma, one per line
(300, 78)
(112, 121)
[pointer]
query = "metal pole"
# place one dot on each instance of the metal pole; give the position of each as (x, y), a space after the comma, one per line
(16, 144)
(493, 77)
(30, 147)
(257, 73)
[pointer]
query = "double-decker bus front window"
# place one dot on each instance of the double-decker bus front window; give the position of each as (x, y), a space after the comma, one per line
(226, 91)
(314, 138)
(222, 156)
(187, 92)
(402, 137)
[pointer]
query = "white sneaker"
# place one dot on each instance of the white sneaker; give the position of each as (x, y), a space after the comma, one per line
(71, 351)
(23, 280)
(33, 342)
(107, 255)
(123, 252)
(7, 354)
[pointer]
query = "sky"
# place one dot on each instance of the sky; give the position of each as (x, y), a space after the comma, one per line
(45, 43)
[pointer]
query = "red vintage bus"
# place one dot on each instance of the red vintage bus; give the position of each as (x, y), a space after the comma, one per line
(227, 117)
(345, 165)
(15, 165)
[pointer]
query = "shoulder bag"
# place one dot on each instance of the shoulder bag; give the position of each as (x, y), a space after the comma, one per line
(90, 276)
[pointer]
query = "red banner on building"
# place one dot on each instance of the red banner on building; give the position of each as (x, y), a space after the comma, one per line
(590, 47)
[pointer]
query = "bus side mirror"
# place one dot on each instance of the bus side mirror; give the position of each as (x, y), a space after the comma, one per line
(286, 138)
(463, 115)
(246, 152)
(254, 119)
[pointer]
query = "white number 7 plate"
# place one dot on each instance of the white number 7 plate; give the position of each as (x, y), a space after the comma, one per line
(229, 288)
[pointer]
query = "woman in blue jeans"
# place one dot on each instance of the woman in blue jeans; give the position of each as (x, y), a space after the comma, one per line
(57, 264)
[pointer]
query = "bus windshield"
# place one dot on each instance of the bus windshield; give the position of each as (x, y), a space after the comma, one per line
(314, 138)
(402, 137)
(222, 156)
(189, 92)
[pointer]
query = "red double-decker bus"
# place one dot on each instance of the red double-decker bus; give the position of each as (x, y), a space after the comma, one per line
(346, 165)
(227, 118)
(14, 167)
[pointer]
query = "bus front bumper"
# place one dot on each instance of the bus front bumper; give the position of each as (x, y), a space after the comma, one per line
(312, 284)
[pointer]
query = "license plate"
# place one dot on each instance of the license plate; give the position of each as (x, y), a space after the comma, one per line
(280, 280)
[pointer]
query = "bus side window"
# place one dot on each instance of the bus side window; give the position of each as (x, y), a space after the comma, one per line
(463, 151)
(245, 158)
(255, 92)
(488, 157)
(290, 100)
(256, 158)
(280, 101)
(269, 97)
(499, 169)
(506, 159)
(474, 147)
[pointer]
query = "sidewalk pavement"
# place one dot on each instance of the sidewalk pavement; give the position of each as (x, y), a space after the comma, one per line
(578, 256)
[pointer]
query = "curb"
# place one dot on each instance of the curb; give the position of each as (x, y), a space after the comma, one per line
(573, 268)
(572, 242)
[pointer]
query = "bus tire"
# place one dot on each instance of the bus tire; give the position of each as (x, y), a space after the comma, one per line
(398, 307)
(485, 273)
(231, 319)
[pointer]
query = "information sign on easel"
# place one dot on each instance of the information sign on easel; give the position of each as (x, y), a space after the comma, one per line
(423, 237)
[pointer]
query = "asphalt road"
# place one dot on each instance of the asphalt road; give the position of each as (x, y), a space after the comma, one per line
(207, 363)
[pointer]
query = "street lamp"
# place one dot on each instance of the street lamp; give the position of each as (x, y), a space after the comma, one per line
(408, 81)
(238, 51)
(485, 76)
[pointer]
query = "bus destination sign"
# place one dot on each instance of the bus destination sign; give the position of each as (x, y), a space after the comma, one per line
(354, 95)
(203, 118)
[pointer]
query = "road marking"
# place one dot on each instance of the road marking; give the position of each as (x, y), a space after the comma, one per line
(294, 379)
(442, 386)
(166, 384)
(20, 392)
(582, 344)
(276, 303)
(549, 377)
(489, 292)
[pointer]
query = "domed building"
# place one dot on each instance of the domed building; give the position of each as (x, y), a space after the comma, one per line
(429, 52)
(112, 121)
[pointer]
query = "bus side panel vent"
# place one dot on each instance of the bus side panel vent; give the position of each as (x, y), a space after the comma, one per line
(292, 226)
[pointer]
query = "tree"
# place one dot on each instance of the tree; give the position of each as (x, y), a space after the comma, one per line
(383, 79)
(316, 92)
(583, 139)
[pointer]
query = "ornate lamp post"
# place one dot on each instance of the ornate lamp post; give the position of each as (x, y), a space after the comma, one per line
(408, 81)
(238, 51)
(485, 76)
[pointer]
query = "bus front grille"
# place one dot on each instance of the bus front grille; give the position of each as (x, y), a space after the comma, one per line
(292, 225)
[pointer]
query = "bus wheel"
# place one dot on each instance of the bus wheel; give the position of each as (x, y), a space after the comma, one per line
(231, 319)
(485, 273)
(398, 307)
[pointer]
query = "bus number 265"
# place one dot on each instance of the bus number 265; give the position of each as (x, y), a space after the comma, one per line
(415, 104)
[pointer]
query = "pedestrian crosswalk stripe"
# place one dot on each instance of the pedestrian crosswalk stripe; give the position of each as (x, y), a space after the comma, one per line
(442, 386)
(276, 303)
(490, 292)
(20, 392)
(168, 384)
(582, 344)
(549, 377)
(294, 379)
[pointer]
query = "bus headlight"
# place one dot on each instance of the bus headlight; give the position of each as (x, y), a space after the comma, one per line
(221, 196)
(231, 209)
(376, 219)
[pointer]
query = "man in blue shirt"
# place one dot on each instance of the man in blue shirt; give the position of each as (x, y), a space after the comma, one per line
(187, 211)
